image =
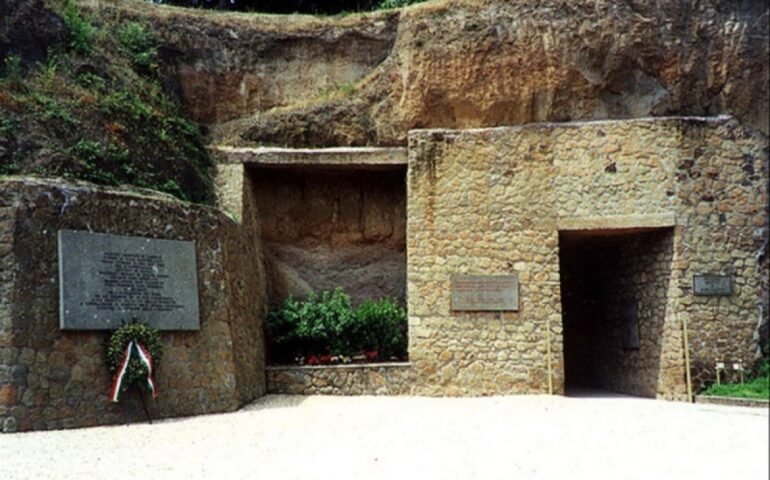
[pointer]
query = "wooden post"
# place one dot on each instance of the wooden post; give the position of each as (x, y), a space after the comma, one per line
(144, 405)
(548, 353)
(687, 360)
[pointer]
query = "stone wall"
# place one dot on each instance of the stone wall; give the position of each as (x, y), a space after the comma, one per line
(493, 202)
(51, 378)
(372, 379)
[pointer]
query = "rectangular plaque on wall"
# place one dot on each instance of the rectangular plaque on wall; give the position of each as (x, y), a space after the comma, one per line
(108, 279)
(490, 293)
(712, 285)
(630, 323)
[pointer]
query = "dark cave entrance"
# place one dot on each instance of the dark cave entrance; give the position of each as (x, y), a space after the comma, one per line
(614, 286)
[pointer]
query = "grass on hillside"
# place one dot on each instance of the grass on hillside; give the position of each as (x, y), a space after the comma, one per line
(96, 110)
(757, 388)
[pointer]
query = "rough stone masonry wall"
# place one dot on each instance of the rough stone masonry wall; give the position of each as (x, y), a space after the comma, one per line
(373, 379)
(492, 202)
(51, 378)
(640, 274)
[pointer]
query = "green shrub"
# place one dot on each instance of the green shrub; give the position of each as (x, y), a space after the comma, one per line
(12, 69)
(52, 109)
(326, 324)
(140, 45)
(386, 4)
(8, 126)
(80, 32)
(98, 163)
(311, 327)
(381, 327)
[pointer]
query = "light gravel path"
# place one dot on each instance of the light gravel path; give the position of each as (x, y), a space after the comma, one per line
(366, 438)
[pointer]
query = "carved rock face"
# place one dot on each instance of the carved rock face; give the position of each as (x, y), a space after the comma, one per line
(474, 64)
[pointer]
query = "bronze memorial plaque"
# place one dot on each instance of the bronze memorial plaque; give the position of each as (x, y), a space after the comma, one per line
(485, 293)
(105, 280)
(712, 285)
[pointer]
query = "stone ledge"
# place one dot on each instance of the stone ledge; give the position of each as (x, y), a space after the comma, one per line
(733, 401)
(277, 368)
(339, 157)
(618, 222)
(351, 379)
(505, 130)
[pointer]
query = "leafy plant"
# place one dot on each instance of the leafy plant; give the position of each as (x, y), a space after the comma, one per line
(8, 126)
(387, 4)
(116, 345)
(140, 45)
(91, 111)
(91, 81)
(311, 327)
(381, 327)
(52, 109)
(327, 325)
(98, 162)
(758, 387)
(12, 68)
(80, 32)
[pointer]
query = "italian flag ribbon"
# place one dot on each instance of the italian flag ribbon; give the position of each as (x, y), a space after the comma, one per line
(133, 348)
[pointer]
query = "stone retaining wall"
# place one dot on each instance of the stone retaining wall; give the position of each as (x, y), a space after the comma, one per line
(51, 378)
(732, 401)
(493, 201)
(370, 379)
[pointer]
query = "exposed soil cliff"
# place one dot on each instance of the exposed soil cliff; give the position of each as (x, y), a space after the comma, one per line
(230, 65)
(464, 63)
(84, 98)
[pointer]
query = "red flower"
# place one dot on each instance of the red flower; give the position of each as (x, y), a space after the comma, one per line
(312, 360)
(371, 356)
(325, 359)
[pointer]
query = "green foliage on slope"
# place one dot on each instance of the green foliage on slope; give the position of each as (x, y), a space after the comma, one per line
(95, 110)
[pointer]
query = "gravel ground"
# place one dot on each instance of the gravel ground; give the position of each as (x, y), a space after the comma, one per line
(368, 438)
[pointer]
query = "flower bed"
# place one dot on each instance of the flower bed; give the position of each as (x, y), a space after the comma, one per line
(325, 329)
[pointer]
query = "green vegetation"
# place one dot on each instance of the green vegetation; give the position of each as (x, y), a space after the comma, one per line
(326, 326)
(140, 45)
(758, 387)
(149, 337)
(13, 69)
(385, 4)
(96, 110)
(80, 31)
(339, 90)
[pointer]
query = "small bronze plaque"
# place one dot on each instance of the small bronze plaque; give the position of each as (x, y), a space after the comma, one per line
(485, 293)
(630, 321)
(712, 285)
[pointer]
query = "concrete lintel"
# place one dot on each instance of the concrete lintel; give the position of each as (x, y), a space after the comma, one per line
(340, 157)
(613, 222)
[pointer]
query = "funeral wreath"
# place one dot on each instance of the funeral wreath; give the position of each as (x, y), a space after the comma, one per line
(133, 353)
